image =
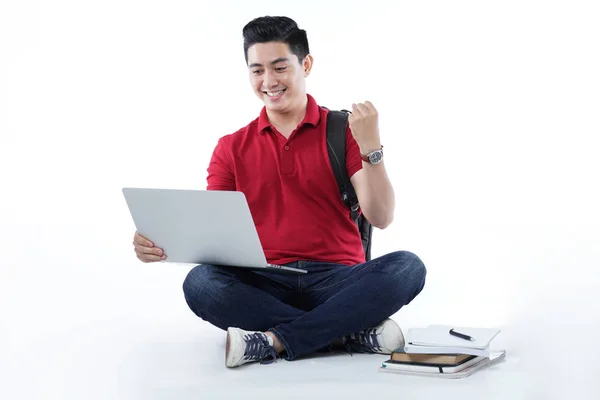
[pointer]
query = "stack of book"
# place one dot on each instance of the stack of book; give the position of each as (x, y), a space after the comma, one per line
(444, 351)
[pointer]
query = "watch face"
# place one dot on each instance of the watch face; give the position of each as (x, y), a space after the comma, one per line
(375, 157)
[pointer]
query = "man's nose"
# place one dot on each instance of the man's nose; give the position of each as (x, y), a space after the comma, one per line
(269, 79)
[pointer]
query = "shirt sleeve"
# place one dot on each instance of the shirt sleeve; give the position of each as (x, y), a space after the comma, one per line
(220, 169)
(353, 159)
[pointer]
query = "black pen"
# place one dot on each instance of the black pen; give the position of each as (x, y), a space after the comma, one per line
(460, 335)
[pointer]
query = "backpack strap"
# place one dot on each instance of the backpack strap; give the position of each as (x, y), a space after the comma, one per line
(337, 122)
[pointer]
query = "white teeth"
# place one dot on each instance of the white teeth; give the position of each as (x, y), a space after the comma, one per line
(274, 94)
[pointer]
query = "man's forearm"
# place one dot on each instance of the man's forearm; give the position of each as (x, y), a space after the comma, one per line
(379, 200)
(376, 193)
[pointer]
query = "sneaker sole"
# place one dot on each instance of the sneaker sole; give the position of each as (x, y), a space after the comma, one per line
(233, 339)
(391, 325)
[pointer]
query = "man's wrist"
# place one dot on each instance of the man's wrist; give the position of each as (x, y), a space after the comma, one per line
(374, 156)
(366, 149)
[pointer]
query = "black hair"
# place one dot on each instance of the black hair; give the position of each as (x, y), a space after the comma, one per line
(276, 29)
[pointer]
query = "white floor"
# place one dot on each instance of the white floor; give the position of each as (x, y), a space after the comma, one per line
(77, 325)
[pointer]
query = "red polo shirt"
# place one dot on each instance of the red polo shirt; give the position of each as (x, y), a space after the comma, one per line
(290, 187)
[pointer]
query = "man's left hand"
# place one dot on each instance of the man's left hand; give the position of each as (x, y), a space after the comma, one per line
(364, 126)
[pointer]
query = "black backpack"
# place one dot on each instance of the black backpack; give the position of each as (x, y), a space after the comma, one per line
(337, 122)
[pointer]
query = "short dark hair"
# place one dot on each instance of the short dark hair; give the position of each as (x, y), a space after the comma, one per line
(276, 29)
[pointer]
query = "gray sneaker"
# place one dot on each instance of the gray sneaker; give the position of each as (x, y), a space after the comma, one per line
(248, 346)
(381, 339)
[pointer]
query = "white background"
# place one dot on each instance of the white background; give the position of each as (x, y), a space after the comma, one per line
(489, 114)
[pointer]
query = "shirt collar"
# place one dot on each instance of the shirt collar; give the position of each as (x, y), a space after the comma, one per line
(312, 116)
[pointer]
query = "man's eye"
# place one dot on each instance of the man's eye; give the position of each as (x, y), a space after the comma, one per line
(280, 69)
(256, 71)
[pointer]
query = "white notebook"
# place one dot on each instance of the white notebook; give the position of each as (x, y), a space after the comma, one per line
(494, 358)
(436, 339)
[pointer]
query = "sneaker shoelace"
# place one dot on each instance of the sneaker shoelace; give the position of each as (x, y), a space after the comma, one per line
(362, 342)
(258, 348)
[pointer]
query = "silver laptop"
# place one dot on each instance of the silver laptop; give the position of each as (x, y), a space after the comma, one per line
(200, 227)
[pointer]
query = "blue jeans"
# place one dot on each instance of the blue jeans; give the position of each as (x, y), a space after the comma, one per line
(306, 312)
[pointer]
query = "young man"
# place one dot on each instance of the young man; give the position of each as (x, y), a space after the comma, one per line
(280, 162)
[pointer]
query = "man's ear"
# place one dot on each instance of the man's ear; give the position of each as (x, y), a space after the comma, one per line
(307, 64)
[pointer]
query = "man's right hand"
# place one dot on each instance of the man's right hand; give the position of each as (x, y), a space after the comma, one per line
(145, 249)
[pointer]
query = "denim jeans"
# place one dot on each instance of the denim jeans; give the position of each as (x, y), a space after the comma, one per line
(306, 312)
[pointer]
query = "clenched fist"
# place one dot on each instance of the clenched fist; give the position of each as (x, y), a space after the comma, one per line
(364, 125)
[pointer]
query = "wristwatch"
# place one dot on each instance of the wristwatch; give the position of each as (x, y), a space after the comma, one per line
(373, 157)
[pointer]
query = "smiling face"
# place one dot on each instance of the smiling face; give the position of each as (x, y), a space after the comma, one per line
(277, 76)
